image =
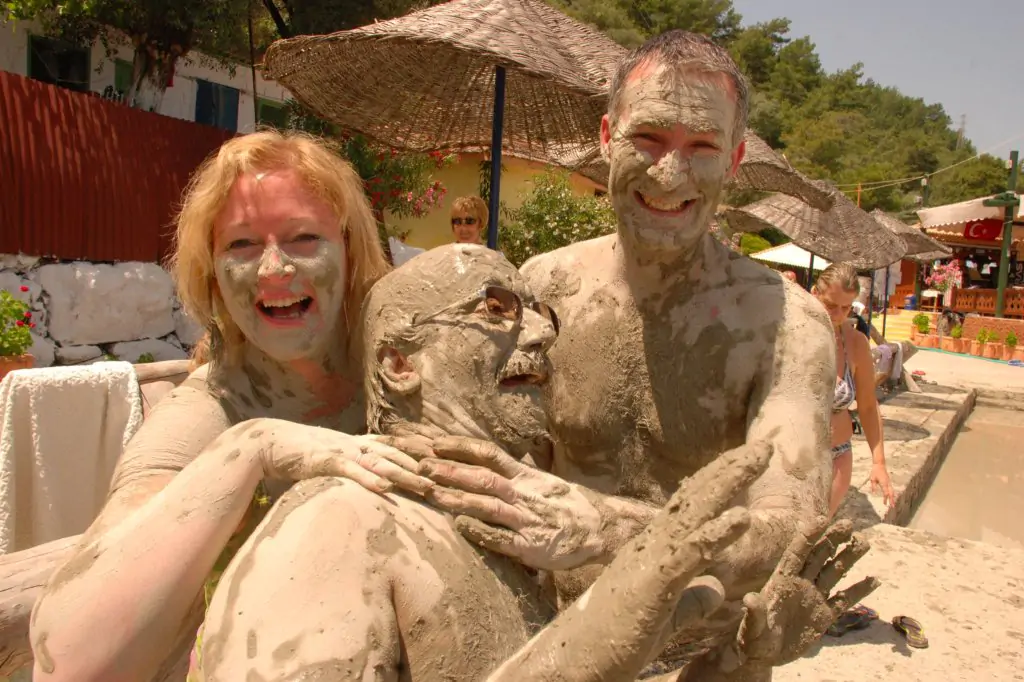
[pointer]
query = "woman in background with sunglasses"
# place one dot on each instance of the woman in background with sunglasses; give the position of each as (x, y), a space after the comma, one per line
(469, 215)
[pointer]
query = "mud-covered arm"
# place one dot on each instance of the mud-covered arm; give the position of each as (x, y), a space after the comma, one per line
(790, 409)
(140, 566)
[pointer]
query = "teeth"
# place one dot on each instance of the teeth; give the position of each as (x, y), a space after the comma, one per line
(282, 302)
(663, 204)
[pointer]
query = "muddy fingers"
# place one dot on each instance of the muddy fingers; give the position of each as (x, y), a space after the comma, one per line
(826, 548)
(853, 594)
(834, 570)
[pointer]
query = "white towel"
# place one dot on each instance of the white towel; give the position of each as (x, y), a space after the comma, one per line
(62, 430)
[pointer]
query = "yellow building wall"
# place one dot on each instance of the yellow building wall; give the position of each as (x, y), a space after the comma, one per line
(462, 179)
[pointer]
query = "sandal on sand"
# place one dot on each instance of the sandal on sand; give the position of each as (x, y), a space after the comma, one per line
(912, 630)
(857, 618)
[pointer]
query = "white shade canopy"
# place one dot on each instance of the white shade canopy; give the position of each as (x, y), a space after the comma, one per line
(792, 255)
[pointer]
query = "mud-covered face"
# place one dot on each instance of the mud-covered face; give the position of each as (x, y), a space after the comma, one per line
(466, 227)
(837, 301)
(485, 357)
(671, 150)
(280, 265)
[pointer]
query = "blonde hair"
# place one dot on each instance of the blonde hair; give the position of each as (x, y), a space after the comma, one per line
(843, 274)
(474, 206)
(324, 173)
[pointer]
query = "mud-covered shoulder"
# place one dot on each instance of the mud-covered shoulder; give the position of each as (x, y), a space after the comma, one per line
(555, 275)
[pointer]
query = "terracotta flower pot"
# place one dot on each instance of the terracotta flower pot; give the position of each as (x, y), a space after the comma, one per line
(992, 351)
(9, 363)
(1007, 353)
(961, 346)
(977, 348)
(930, 341)
(1019, 354)
(948, 343)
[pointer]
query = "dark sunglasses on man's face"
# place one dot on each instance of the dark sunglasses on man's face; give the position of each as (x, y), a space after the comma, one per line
(463, 221)
(501, 302)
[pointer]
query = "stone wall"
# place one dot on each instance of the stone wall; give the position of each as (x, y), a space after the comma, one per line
(85, 312)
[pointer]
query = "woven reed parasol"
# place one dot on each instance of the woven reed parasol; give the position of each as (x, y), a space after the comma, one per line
(843, 234)
(437, 79)
(919, 245)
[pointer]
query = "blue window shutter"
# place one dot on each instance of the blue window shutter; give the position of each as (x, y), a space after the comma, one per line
(204, 103)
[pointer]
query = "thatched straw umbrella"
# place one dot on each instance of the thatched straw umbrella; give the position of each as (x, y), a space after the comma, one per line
(843, 234)
(920, 246)
(432, 80)
(438, 79)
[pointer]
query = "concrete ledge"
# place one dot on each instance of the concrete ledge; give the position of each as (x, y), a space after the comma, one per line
(919, 429)
(967, 596)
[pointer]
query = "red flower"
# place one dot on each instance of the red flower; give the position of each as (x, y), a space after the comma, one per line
(31, 325)
(28, 315)
(24, 288)
(20, 323)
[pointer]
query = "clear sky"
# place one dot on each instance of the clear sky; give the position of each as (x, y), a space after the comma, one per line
(967, 55)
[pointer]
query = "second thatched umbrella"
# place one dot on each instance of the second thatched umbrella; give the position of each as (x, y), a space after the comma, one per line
(919, 245)
(843, 234)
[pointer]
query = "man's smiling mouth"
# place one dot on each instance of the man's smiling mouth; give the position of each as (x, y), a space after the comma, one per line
(671, 206)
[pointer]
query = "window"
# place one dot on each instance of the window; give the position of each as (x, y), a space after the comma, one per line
(122, 76)
(58, 63)
(216, 105)
(272, 113)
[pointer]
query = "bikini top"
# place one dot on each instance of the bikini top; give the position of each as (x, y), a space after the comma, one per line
(846, 389)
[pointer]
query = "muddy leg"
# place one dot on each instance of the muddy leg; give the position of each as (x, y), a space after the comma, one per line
(339, 583)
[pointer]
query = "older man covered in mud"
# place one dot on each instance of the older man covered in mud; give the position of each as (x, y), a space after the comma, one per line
(340, 583)
(674, 350)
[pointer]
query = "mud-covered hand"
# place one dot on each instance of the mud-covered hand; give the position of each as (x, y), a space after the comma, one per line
(513, 509)
(293, 452)
(795, 607)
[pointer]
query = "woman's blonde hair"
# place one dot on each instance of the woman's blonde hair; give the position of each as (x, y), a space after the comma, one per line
(843, 274)
(474, 206)
(323, 172)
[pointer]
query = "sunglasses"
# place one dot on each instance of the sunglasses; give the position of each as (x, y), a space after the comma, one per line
(464, 221)
(501, 302)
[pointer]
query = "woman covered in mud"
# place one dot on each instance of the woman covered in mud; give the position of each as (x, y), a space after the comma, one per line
(276, 248)
(837, 288)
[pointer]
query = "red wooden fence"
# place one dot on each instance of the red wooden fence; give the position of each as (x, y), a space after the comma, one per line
(83, 178)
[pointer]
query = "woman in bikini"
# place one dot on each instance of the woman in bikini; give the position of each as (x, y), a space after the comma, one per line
(837, 288)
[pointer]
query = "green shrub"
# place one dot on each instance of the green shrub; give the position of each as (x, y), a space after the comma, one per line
(957, 331)
(1011, 339)
(752, 243)
(15, 322)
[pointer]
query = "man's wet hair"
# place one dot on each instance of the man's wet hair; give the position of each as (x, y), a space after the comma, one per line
(686, 50)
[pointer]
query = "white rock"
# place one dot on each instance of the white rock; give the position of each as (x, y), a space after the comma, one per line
(90, 304)
(77, 355)
(186, 329)
(19, 261)
(130, 351)
(42, 350)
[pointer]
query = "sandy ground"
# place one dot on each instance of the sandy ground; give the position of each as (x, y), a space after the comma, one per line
(953, 369)
(968, 596)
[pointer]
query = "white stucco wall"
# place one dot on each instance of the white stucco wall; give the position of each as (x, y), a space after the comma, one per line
(179, 100)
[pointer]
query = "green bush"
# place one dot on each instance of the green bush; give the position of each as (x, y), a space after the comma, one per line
(15, 321)
(983, 336)
(552, 216)
(752, 243)
(1011, 339)
(145, 358)
(957, 332)
(922, 322)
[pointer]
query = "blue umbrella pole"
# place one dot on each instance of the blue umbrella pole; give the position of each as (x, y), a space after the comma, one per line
(497, 133)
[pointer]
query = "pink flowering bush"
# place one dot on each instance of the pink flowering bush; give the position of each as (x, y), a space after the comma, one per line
(15, 323)
(944, 277)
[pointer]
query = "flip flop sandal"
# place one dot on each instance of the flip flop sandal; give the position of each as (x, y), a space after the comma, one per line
(851, 619)
(865, 611)
(912, 630)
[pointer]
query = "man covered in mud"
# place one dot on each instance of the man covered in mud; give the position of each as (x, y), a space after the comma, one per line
(342, 583)
(673, 349)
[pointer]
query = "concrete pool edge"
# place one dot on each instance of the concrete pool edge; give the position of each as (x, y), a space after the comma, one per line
(938, 412)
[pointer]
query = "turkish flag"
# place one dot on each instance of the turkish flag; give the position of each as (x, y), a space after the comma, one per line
(987, 230)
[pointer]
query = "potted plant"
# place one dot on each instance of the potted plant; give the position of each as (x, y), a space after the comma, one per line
(950, 343)
(919, 327)
(1009, 346)
(956, 335)
(978, 345)
(15, 339)
(993, 347)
